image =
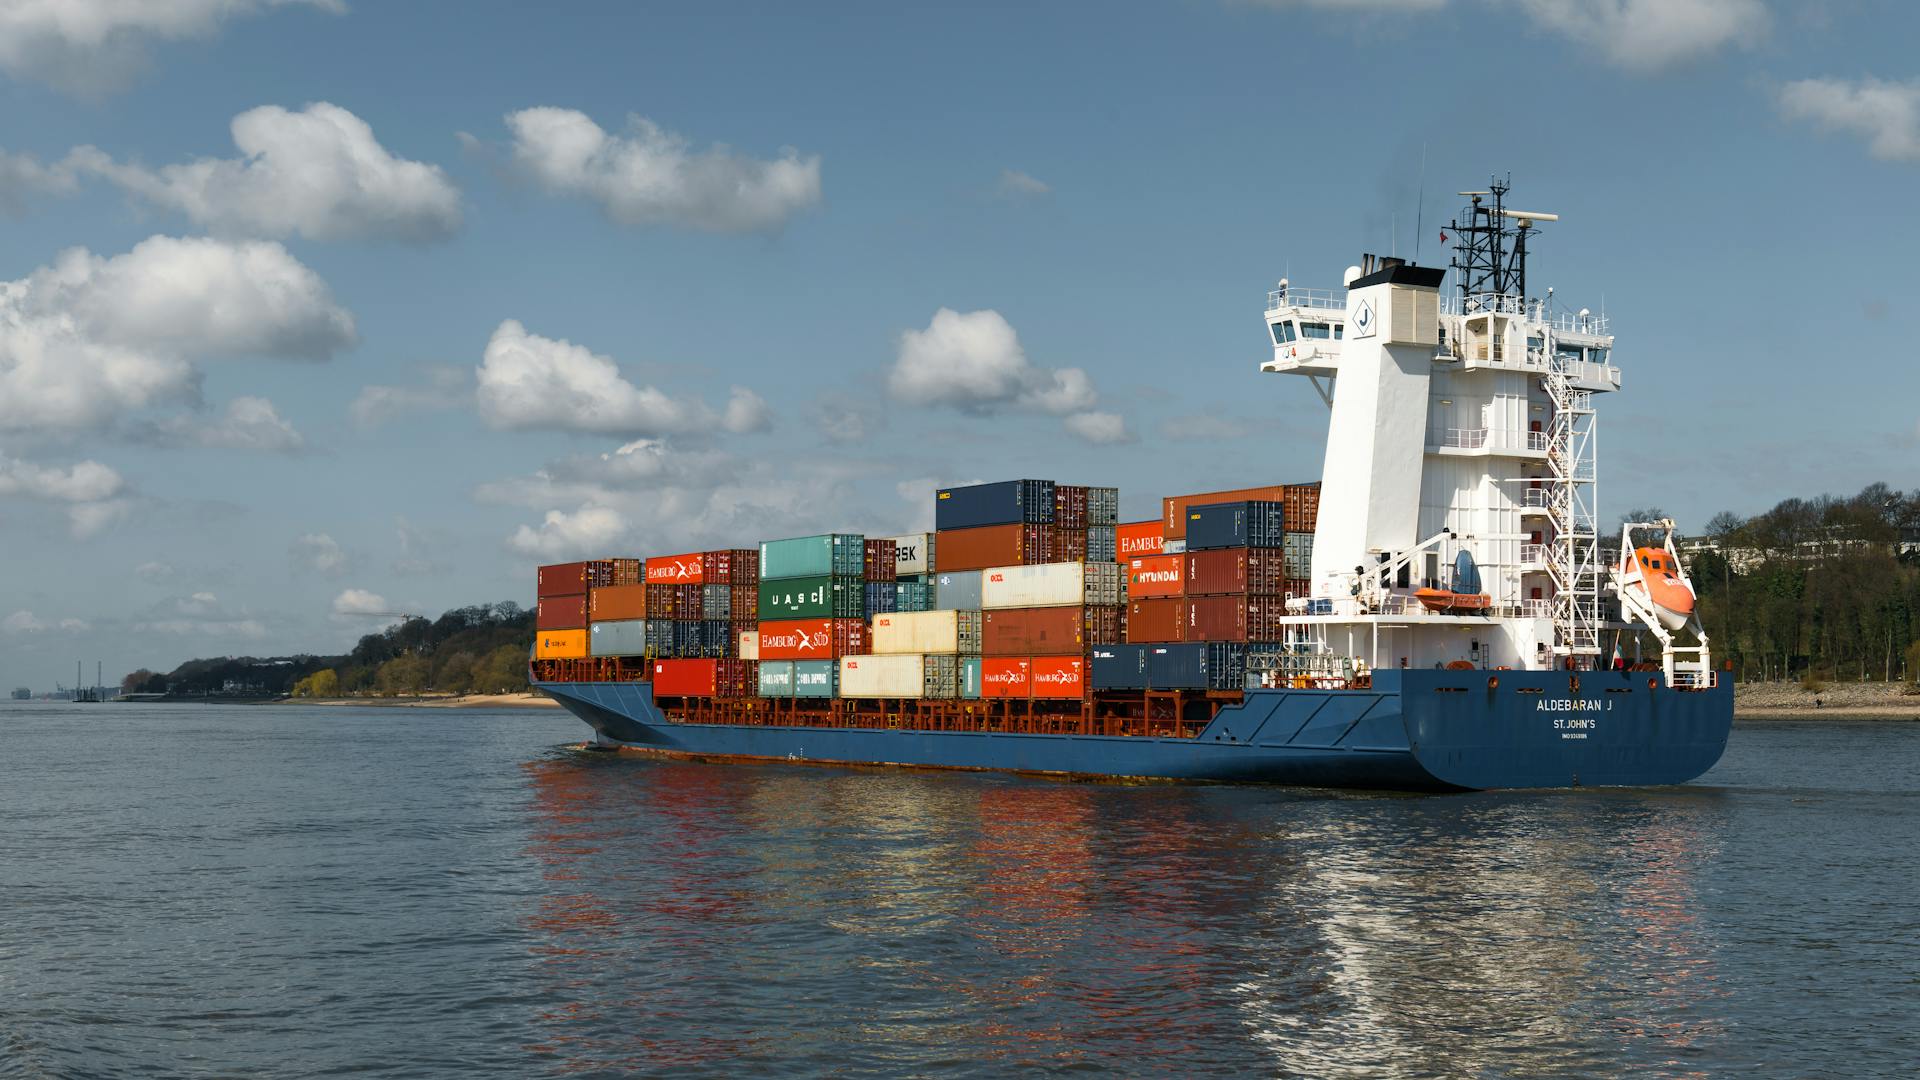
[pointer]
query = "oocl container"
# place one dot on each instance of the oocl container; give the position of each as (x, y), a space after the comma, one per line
(560, 644)
(1051, 585)
(1156, 575)
(1173, 510)
(1033, 631)
(912, 554)
(1006, 677)
(868, 676)
(1138, 538)
(938, 632)
(1059, 677)
(811, 639)
(560, 579)
(627, 637)
(825, 555)
(561, 612)
(1009, 502)
(617, 602)
(677, 569)
(812, 598)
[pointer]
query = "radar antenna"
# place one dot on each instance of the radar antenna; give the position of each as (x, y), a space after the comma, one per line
(1490, 243)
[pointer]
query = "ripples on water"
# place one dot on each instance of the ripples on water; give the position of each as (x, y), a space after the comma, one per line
(311, 892)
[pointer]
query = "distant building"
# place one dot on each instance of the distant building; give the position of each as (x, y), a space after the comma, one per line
(21, 693)
(1745, 559)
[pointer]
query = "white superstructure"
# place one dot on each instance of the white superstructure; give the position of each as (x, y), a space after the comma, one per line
(1461, 420)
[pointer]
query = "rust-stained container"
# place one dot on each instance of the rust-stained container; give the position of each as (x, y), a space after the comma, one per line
(746, 598)
(689, 602)
(1235, 571)
(1070, 506)
(1138, 538)
(1235, 618)
(812, 639)
(1058, 677)
(1106, 624)
(1152, 621)
(880, 561)
(1006, 677)
(561, 613)
(1173, 510)
(688, 569)
(560, 644)
(993, 545)
(1298, 587)
(662, 601)
(602, 573)
(617, 603)
(1302, 507)
(1156, 575)
(1069, 545)
(560, 579)
(1047, 631)
(729, 566)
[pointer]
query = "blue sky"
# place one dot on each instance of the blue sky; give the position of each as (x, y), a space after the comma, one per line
(380, 305)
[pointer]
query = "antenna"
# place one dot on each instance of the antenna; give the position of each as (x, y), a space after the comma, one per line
(1490, 254)
(1420, 208)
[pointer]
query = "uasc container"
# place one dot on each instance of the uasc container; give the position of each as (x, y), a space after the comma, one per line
(1009, 502)
(870, 676)
(1051, 585)
(937, 632)
(812, 598)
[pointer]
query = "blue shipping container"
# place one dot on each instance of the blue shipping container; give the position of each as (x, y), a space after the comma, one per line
(1119, 667)
(883, 598)
(1010, 502)
(1237, 524)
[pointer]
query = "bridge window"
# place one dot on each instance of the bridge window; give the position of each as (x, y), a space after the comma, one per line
(1315, 330)
(1597, 354)
(1563, 351)
(1282, 332)
(1337, 328)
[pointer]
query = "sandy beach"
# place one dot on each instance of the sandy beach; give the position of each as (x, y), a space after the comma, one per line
(439, 701)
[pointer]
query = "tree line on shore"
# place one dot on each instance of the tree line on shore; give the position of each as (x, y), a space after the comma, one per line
(480, 649)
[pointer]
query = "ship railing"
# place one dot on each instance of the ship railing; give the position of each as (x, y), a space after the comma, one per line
(1695, 680)
(1465, 438)
(1532, 310)
(1498, 439)
(1534, 497)
(1533, 554)
(1537, 440)
(1536, 609)
(1318, 299)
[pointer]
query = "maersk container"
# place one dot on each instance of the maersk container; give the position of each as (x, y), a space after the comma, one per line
(816, 678)
(1010, 502)
(1060, 584)
(1255, 523)
(882, 597)
(812, 598)
(1102, 542)
(872, 676)
(776, 678)
(970, 677)
(932, 632)
(1119, 667)
(627, 637)
(912, 554)
(826, 555)
(957, 591)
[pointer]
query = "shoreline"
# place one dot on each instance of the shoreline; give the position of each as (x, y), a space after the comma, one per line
(1835, 701)
(528, 700)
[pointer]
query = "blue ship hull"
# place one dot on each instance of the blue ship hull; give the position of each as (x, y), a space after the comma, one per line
(1414, 730)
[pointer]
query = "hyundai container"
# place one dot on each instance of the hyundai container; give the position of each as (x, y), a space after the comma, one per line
(1156, 575)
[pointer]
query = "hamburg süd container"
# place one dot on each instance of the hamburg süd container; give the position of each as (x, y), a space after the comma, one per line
(825, 555)
(560, 644)
(560, 579)
(1033, 631)
(1235, 571)
(995, 545)
(1138, 538)
(1156, 575)
(1051, 585)
(1254, 523)
(811, 639)
(1006, 677)
(1118, 667)
(1059, 677)
(561, 612)
(689, 569)
(617, 602)
(868, 676)
(912, 554)
(935, 632)
(776, 678)
(1173, 510)
(627, 637)
(1010, 502)
(812, 598)
(957, 590)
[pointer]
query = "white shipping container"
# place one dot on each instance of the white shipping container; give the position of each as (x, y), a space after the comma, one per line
(883, 676)
(749, 645)
(1066, 584)
(912, 554)
(945, 633)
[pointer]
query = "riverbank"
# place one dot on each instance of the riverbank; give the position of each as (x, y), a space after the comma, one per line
(438, 701)
(1837, 701)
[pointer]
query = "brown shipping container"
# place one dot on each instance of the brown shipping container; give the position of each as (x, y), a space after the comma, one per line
(1235, 618)
(689, 602)
(992, 545)
(746, 601)
(609, 572)
(1157, 620)
(561, 613)
(881, 560)
(561, 579)
(1051, 631)
(617, 602)
(1298, 587)
(660, 601)
(1069, 507)
(1236, 571)
(1106, 624)
(1173, 510)
(1069, 545)
(1300, 509)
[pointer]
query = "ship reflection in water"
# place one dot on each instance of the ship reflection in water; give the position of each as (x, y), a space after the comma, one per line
(737, 918)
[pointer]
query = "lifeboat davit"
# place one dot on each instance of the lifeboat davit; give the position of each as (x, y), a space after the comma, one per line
(1465, 598)
(1667, 593)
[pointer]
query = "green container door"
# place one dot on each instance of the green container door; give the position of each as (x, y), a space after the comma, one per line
(969, 676)
(826, 555)
(816, 678)
(776, 678)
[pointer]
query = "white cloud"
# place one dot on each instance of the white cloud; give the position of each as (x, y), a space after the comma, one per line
(651, 176)
(201, 614)
(92, 491)
(360, 603)
(320, 554)
(248, 423)
(844, 419)
(1885, 114)
(1099, 428)
(447, 388)
(89, 338)
(591, 530)
(974, 362)
(318, 172)
(22, 622)
(528, 382)
(1015, 184)
(1646, 34)
(94, 46)
(23, 175)
(91, 519)
(75, 626)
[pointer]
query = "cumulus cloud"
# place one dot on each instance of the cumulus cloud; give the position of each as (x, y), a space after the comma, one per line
(973, 362)
(843, 419)
(202, 615)
(1652, 33)
(23, 176)
(22, 622)
(1015, 184)
(318, 553)
(447, 388)
(651, 176)
(529, 382)
(1885, 114)
(92, 492)
(590, 530)
(1099, 428)
(88, 338)
(359, 602)
(318, 172)
(247, 423)
(91, 47)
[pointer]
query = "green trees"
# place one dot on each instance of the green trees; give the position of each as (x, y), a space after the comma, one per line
(406, 674)
(324, 683)
(502, 671)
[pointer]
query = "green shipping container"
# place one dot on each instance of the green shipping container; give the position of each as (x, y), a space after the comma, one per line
(776, 678)
(969, 676)
(813, 598)
(826, 555)
(816, 678)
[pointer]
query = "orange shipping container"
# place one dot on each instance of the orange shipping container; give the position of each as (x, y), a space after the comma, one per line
(560, 645)
(677, 569)
(617, 602)
(1173, 511)
(1157, 575)
(1058, 677)
(1137, 538)
(1006, 677)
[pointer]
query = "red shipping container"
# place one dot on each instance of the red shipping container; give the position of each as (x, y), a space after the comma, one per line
(716, 568)
(812, 639)
(608, 572)
(1138, 538)
(1216, 618)
(677, 569)
(1049, 631)
(881, 560)
(992, 545)
(1157, 575)
(1157, 621)
(1173, 510)
(561, 579)
(561, 613)
(704, 678)
(1300, 509)
(1070, 506)
(662, 601)
(1069, 545)
(1236, 572)
(1058, 677)
(1298, 587)
(689, 602)
(1006, 677)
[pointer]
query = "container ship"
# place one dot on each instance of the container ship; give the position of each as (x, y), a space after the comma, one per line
(1438, 611)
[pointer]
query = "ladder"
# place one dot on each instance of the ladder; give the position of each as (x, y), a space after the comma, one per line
(1573, 561)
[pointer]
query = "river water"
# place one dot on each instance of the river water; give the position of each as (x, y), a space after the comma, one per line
(294, 892)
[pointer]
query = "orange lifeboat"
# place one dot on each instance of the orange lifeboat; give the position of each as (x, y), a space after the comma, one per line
(1672, 599)
(1448, 602)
